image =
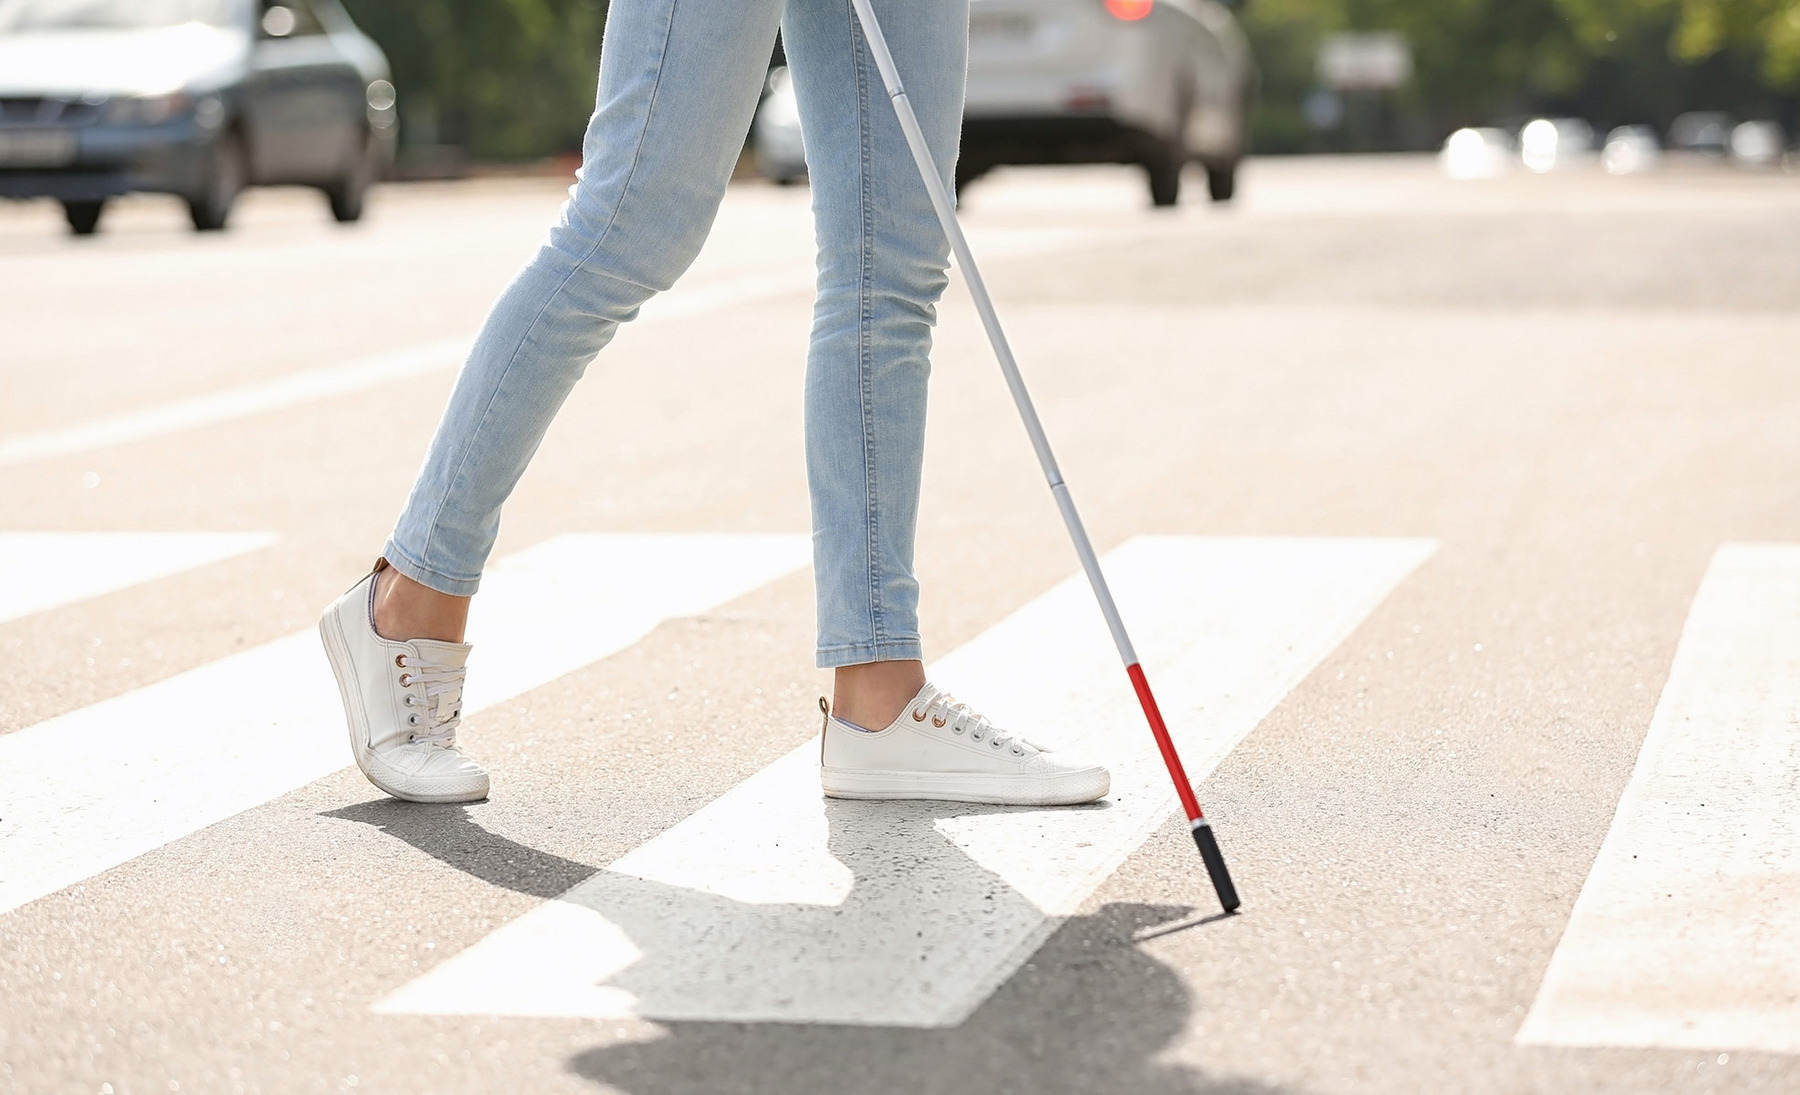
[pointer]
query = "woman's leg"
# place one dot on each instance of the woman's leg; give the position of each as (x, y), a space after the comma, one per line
(882, 263)
(679, 81)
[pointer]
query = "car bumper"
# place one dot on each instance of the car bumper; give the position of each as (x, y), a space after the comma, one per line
(105, 161)
(1048, 139)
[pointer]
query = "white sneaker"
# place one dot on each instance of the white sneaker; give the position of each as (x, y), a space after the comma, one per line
(403, 702)
(940, 749)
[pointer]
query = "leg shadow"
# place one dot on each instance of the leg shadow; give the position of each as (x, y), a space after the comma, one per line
(1089, 1011)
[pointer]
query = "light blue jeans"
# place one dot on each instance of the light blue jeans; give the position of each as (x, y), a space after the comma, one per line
(679, 82)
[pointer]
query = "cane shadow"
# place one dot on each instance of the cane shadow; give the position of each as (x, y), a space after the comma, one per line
(1086, 1010)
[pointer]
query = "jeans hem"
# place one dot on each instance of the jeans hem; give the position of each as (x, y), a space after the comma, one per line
(890, 650)
(425, 576)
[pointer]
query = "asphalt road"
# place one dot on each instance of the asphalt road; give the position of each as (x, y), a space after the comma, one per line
(1420, 486)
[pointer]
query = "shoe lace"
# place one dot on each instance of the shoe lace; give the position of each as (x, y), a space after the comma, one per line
(943, 710)
(437, 723)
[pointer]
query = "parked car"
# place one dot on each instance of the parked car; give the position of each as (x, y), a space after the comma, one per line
(196, 98)
(1159, 83)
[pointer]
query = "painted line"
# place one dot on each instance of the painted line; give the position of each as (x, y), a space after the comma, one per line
(774, 904)
(161, 419)
(1687, 932)
(96, 787)
(313, 385)
(46, 570)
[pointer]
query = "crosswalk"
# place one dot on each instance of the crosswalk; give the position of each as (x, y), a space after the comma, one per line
(1683, 936)
(95, 787)
(66, 567)
(806, 902)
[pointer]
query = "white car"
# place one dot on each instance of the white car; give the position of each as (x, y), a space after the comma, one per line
(1159, 83)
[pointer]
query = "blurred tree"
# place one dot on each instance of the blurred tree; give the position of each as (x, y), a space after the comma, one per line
(1481, 61)
(503, 79)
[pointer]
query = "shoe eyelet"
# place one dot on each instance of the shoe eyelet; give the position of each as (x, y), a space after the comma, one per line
(995, 743)
(976, 736)
(937, 722)
(410, 700)
(412, 739)
(400, 660)
(956, 730)
(412, 720)
(918, 716)
(405, 680)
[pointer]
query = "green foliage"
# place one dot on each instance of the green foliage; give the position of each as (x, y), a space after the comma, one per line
(505, 79)
(1477, 61)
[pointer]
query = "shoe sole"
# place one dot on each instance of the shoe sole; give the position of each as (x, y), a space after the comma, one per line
(1066, 789)
(343, 668)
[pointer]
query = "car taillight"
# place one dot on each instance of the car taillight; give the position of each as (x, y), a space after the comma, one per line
(1129, 10)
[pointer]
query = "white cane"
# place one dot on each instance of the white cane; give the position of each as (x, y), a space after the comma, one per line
(946, 212)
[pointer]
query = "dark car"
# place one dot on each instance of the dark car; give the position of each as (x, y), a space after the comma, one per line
(196, 98)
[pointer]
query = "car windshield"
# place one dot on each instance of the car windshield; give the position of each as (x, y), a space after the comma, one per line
(21, 16)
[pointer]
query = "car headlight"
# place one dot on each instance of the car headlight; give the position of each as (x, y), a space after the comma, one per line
(148, 109)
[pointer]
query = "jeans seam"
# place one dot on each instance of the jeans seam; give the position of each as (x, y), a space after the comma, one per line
(637, 152)
(865, 326)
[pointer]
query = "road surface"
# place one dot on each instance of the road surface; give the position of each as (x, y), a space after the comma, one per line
(1460, 523)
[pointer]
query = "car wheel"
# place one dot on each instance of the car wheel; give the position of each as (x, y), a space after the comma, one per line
(83, 217)
(968, 170)
(347, 194)
(1164, 171)
(226, 175)
(1221, 181)
(1165, 159)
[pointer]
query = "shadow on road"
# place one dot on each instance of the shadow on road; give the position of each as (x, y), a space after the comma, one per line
(448, 834)
(1090, 1011)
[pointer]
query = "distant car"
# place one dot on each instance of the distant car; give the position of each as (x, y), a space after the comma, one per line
(196, 98)
(1758, 144)
(1704, 131)
(1159, 83)
(775, 135)
(1479, 153)
(1630, 149)
(1555, 144)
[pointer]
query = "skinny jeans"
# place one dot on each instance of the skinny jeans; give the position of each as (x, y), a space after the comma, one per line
(679, 83)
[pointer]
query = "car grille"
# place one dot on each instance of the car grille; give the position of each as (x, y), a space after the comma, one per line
(46, 111)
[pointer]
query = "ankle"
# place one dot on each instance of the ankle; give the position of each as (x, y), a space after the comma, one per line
(873, 695)
(407, 610)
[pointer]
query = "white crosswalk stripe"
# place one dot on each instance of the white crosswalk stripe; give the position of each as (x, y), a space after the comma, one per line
(1687, 933)
(774, 904)
(46, 570)
(93, 788)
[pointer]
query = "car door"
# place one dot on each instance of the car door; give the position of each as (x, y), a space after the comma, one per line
(304, 98)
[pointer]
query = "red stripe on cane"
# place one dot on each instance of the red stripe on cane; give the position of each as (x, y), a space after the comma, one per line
(1189, 803)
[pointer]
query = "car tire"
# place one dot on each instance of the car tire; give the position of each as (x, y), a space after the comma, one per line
(1163, 168)
(1221, 181)
(347, 195)
(968, 170)
(83, 217)
(226, 175)
(1166, 159)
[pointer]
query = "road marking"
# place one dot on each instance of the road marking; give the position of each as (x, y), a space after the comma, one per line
(174, 416)
(773, 904)
(313, 385)
(96, 787)
(46, 570)
(1687, 932)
